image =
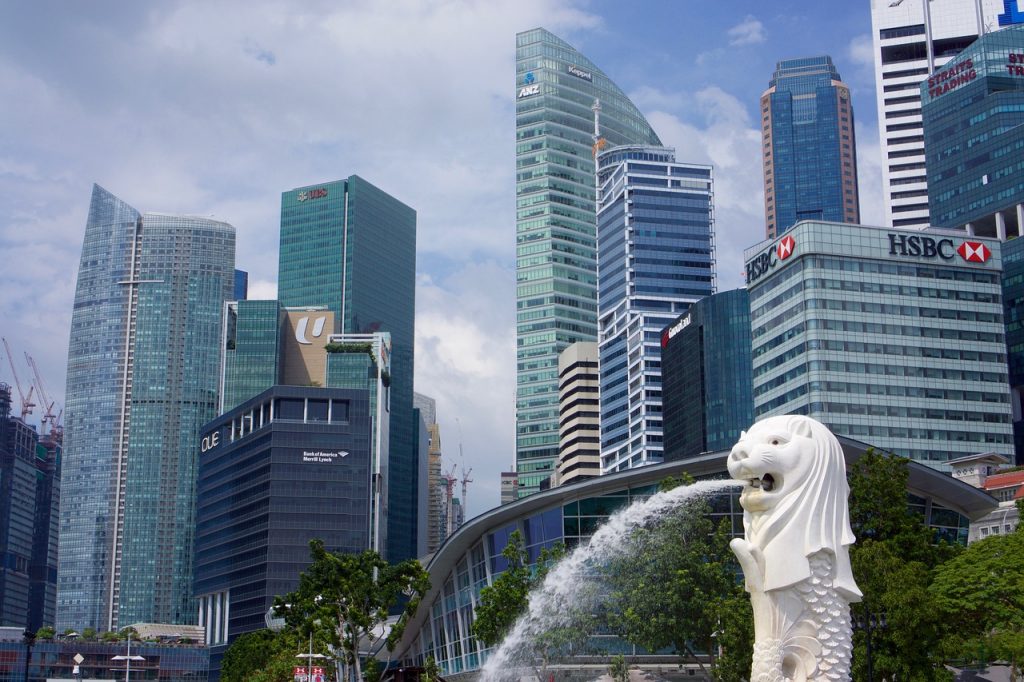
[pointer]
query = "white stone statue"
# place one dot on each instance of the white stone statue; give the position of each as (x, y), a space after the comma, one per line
(795, 554)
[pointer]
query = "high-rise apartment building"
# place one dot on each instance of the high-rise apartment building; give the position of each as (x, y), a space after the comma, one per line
(351, 247)
(579, 413)
(556, 272)
(142, 379)
(912, 40)
(809, 146)
(29, 497)
(655, 236)
(705, 376)
(892, 337)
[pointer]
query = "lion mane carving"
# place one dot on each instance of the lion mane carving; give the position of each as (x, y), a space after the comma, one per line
(795, 555)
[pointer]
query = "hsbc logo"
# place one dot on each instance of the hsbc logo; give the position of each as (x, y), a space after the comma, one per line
(974, 252)
(784, 249)
(301, 327)
(767, 260)
(924, 246)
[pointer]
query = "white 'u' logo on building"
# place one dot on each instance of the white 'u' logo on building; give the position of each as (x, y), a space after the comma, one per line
(300, 329)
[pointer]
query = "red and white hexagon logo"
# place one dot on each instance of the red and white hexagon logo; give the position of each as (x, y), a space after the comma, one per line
(974, 252)
(784, 249)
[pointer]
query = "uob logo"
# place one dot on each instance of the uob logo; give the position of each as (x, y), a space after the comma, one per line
(300, 329)
(1011, 13)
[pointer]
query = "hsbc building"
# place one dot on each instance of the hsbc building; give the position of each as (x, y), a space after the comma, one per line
(892, 337)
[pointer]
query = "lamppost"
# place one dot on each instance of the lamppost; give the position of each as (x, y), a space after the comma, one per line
(310, 656)
(128, 658)
(868, 623)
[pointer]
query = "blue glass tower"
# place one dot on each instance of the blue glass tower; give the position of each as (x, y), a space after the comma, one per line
(142, 379)
(810, 150)
(556, 259)
(655, 257)
(351, 247)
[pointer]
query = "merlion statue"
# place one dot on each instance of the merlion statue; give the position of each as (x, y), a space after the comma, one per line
(795, 556)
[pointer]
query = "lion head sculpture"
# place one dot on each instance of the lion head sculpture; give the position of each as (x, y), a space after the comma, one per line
(795, 499)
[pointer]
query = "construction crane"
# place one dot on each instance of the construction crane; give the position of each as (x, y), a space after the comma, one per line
(26, 400)
(449, 485)
(49, 420)
(465, 480)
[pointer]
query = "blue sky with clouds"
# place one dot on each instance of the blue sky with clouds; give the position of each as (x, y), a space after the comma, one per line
(215, 108)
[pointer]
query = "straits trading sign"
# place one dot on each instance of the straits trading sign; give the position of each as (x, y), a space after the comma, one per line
(765, 261)
(952, 78)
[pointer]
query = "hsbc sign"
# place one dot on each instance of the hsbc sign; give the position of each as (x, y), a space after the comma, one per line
(769, 258)
(924, 246)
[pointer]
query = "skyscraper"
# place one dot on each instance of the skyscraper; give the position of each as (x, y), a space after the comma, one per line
(655, 258)
(912, 39)
(142, 379)
(809, 146)
(556, 259)
(351, 247)
(434, 486)
(579, 424)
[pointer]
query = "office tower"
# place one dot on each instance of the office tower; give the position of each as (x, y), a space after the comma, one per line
(1013, 315)
(29, 496)
(655, 257)
(291, 464)
(434, 486)
(913, 39)
(973, 111)
(705, 376)
(809, 146)
(252, 349)
(509, 487)
(556, 260)
(142, 379)
(241, 285)
(892, 337)
(579, 413)
(351, 247)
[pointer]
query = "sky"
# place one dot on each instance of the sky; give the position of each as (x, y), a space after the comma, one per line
(215, 108)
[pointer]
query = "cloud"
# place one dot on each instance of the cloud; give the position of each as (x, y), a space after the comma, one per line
(750, 31)
(861, 52)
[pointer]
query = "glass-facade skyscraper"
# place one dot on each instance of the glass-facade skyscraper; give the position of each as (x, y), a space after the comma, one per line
(655, 257)
(556, 260)
(351, 247)
(809, 146)
(705, 376)
(142, 379)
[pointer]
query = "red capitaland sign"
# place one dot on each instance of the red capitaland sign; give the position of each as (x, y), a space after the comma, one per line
(974, 252)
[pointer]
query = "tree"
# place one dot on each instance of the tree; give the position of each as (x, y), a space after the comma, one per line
(46, 632)
(892, 562)
(619, 669)
(431, 671)
(262, 656)
(677, 588)
(981, 593)
(351, 594)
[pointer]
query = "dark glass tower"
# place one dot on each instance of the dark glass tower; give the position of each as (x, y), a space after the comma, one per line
(351, 247)
(810, 151)
(556, 241)
(1013, 305)
(706, 376)
(142, 378)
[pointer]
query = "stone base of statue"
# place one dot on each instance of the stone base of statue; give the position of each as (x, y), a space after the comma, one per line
(795, 553)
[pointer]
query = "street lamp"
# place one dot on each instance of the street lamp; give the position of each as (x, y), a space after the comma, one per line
(128, 658)
(310, 656)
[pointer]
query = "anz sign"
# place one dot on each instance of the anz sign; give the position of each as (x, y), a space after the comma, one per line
(1012, 13)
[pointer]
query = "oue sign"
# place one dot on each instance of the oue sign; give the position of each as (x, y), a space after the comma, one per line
(210, 442)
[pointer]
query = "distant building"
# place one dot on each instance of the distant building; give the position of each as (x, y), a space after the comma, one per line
(579, 414)
(892, 337)
(656, 257)
(706, 376)
(350, 247)
(141, 381)
(973, 120)
(913, 40)
(29, 498)
(985, 471)
(555, 89)
(435, 487)
(241, 285)
(809, 146)
(509, 487)
(1013, 316)
(54, 660)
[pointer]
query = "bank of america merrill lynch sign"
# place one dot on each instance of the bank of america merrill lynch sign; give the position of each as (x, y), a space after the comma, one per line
(900, 245)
